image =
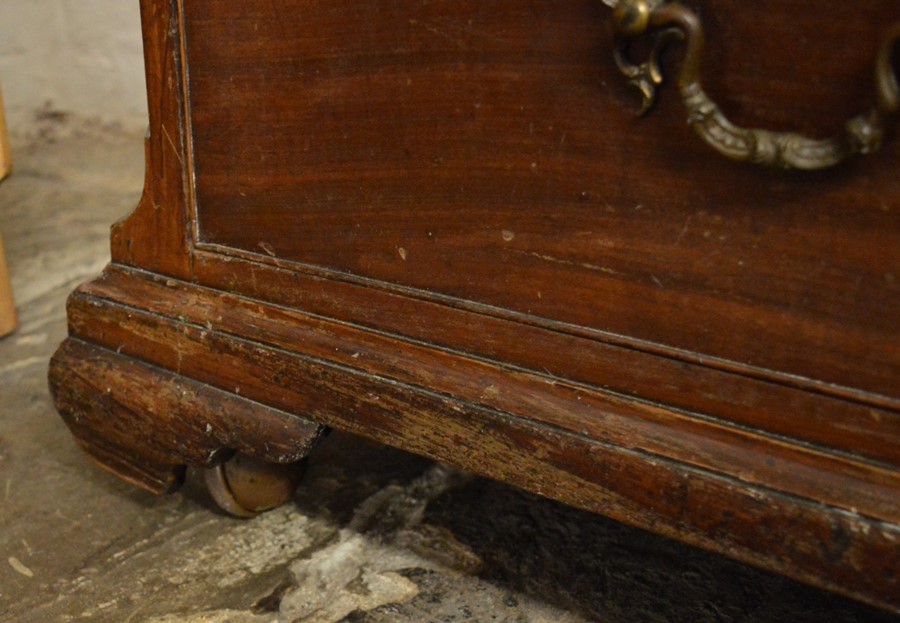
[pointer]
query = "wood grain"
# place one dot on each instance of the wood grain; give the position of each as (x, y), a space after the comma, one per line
(102, 313)
(164, 205)
(491, 155)
(801, 537)
(856, 422)
(438, 225)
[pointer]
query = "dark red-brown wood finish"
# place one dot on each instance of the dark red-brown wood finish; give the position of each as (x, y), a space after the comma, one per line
(440, 225)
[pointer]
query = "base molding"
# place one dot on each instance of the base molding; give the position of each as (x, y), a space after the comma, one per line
(146, 424)
(148, 386)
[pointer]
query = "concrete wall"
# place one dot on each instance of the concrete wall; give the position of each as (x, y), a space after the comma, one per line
(82, 57)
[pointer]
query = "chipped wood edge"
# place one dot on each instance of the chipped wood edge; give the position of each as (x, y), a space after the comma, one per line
(211, 389)
(104, 312)
(146, 424)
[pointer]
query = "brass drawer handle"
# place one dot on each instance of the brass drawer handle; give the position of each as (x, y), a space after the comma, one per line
(668, 21)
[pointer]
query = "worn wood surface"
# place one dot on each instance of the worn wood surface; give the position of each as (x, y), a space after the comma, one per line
(437, 225)
(493, 425)
(101, 313)
(193, 424)
(393, 538)
(852, 421)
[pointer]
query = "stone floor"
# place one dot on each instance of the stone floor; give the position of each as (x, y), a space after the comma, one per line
(374, 535)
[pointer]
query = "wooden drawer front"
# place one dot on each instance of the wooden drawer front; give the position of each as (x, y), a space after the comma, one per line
(487, 154)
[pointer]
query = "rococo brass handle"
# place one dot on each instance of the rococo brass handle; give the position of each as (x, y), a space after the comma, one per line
(669, 21)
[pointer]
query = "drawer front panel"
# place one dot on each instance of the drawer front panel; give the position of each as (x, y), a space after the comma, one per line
(490, 155)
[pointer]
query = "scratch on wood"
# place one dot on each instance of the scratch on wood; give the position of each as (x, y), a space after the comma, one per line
(708, 257)
(172, 143)
(450, 31)
(440, 33)
(556, 260)
(684, 229)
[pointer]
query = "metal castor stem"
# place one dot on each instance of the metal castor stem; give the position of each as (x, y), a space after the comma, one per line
(245, 487)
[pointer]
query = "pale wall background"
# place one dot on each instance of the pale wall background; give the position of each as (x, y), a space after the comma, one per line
(81, 57)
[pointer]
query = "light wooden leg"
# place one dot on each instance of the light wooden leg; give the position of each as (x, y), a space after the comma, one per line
(7, 308)
(8, 320)
(5, 157)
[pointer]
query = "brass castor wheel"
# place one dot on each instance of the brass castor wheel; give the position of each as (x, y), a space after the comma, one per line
(245, 487)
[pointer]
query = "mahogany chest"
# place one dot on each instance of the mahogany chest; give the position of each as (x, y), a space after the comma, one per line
(441, 225)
